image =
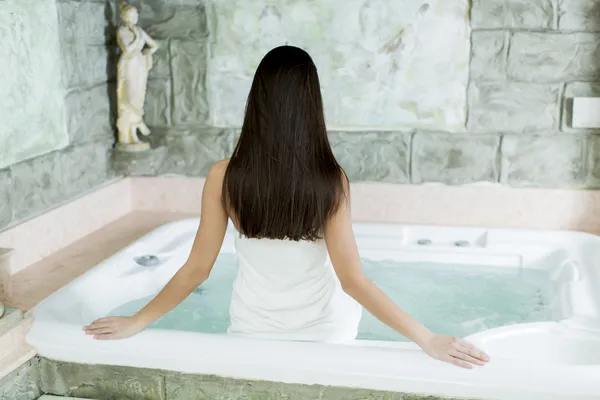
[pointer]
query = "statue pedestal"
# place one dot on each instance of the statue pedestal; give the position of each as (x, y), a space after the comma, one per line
(134, 147)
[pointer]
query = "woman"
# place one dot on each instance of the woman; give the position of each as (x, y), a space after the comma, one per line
(289, 199)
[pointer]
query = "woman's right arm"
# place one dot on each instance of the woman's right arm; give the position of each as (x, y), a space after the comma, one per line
(343, 252)
(206, 247)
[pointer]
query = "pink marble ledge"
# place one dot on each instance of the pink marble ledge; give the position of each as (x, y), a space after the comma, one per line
(33, 284)
(14, 351)
(46, 234)
(474, 205)
(60, 245)
(167, 194)
(492, 206)
(479, 205)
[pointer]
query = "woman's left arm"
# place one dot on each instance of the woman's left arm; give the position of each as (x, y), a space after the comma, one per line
(206, 247)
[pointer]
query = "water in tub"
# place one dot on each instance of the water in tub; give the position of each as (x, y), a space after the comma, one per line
(453, 300)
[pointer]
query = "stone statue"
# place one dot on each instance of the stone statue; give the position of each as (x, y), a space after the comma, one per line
(132, 76)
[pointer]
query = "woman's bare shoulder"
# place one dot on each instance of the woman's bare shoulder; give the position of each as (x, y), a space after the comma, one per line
(217, 171)
(219, 167)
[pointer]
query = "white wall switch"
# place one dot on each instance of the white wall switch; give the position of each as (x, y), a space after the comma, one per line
(586, 112)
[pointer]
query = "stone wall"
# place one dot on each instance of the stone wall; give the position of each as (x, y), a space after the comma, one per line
(176, 102)
(87, 46)
(32, 91)
(22, 383)
(42, 376)
(528, 59)
(114, 382)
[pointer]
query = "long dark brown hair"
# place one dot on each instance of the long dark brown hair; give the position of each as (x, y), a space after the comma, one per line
(283, 181)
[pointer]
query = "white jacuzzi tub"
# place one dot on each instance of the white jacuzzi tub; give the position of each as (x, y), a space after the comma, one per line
(558, 359)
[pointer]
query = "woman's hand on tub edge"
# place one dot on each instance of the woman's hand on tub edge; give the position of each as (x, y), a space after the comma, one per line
(343, 252)
(112, 328)
(454, 351)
